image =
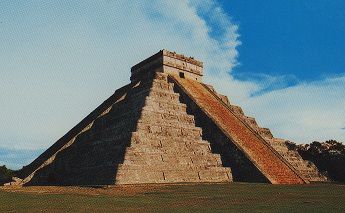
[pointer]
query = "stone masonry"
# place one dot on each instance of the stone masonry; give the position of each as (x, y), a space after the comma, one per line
(306, 168)
(166, 126)
(146, 136)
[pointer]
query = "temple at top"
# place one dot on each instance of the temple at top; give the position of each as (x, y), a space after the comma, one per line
(169, 63)
(167, 126)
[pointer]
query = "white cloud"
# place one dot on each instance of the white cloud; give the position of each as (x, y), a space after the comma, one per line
(60, 60)
(302, 113)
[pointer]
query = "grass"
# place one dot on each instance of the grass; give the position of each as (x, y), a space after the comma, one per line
(234, 197)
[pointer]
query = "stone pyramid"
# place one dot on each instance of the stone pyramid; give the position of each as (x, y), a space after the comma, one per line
(166, 126)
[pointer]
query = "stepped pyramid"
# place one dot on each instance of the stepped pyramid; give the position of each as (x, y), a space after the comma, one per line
(166, 126)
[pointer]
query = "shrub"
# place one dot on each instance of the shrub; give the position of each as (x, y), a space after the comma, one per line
(328, 156)
(5, 174)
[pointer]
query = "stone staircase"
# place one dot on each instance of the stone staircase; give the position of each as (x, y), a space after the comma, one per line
(273, 166)
(166, 146)
(305, 168)
(146, 136)
(145, 133)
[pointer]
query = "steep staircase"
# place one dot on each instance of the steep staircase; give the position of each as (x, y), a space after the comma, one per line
(145, 136)
(166, 146)
(305, 168)
(267, 160)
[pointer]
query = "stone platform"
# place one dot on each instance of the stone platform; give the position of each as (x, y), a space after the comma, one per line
(166, 126)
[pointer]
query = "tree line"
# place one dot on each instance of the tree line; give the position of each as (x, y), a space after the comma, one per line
(328, 157)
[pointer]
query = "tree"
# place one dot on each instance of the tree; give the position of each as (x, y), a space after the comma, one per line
(328, 156)
(5, 174)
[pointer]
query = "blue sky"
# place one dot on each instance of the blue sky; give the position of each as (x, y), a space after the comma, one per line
(304, 39)
(281, 61)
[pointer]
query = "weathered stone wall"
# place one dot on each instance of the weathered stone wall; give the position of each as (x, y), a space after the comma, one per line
(93, 156)
(147, 133)
(70, 135)
(145, 137)
(166, 146)
(169, 63)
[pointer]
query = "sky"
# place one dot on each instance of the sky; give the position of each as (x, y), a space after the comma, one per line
(283, 62)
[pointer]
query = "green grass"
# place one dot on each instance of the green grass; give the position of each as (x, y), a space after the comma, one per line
(185, 198)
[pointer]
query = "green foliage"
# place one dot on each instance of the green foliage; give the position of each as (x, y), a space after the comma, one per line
(328, 156)
(5, 174)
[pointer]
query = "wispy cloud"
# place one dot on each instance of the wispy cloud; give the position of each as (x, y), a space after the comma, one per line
(16, 158)
(60, 60)
(304, 112)
(266, 82)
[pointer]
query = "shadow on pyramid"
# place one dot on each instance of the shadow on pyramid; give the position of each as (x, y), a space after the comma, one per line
(166, 126)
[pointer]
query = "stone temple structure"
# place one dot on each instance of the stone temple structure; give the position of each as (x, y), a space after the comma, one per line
(167, 126)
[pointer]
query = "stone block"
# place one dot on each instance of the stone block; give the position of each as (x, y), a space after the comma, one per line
(181, 176)
(176, 160)
(165, 146)
(170, 131)
(209, 160)
(215, 174)
(140, 158)
(139, 176)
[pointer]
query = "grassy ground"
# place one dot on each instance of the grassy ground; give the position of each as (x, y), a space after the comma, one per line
(182, 198)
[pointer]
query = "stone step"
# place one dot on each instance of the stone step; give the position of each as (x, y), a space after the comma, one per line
(278, 140)
(237, 110)
(139, 176)
(185, 158)
(163, 101)
(280, 148)
(157, 81)
(164, 96)
(177, 176)
(169, 143)
(266, 159)
(167, 111)
(166, 166)
(169, 130)
(131, 153)
(153, 85)
(178, 128)
(305, 168)
(194, 176)
(265, 132)
(156, 93)
(163, 85)
(224, 98)
(172, 148)
(141, 136)
(165, 117)
(152, 159)
(251, 121)
(164, 107)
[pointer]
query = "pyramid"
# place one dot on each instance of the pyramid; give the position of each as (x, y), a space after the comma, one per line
(167, 126)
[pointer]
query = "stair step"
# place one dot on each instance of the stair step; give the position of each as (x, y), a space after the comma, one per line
(266, 159)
